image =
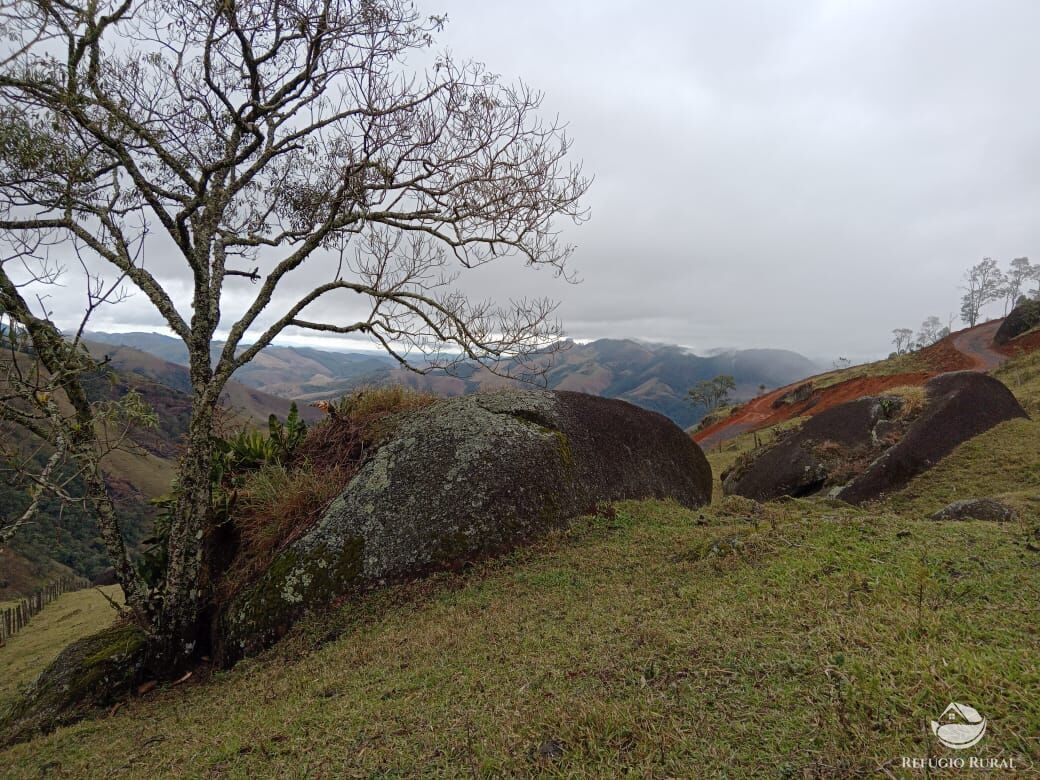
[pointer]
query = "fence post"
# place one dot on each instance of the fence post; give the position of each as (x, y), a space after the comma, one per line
(14, 618)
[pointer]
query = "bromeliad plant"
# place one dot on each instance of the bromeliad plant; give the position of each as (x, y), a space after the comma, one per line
(234, 459)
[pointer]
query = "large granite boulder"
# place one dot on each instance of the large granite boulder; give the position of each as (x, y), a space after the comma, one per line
(961, 405)
(1024, 317)
(860, 450)
(461, 479)
(801, 462)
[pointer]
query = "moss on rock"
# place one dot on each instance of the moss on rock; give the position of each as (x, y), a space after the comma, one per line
(464, 478)
(89, 673)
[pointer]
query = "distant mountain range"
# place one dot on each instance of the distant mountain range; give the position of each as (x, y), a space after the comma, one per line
(653, 376)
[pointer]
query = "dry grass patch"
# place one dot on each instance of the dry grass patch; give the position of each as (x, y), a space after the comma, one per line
(70, 617)
(914, 398)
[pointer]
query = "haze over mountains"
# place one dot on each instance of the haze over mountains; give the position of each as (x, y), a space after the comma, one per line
(653, 376)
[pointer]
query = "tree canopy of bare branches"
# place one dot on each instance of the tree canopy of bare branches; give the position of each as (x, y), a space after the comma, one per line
(234, 145)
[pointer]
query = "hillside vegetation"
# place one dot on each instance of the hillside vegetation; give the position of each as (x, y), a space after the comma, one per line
(142, 469)
(793, 639)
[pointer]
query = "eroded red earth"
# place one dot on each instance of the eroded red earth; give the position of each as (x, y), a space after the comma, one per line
(970, 349)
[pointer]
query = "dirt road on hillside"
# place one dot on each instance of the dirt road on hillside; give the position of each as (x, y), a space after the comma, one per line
(976, 344)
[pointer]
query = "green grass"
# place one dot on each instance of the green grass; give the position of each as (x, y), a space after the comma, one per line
(1022, 375)
(68, 618)
(1003, 462)
(808, 641)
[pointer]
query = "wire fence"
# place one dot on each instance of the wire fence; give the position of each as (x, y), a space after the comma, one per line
(16, 617)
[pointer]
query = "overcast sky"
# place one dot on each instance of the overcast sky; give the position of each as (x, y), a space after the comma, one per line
(794, 174)
(799, 174)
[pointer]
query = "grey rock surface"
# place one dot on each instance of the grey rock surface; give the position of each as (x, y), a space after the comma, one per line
(465, 478)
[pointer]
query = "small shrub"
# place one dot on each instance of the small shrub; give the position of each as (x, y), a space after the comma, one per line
(914, 397)
(275, 507)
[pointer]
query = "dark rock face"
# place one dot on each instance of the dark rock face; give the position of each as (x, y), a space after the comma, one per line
(867, 448)
(797, 465)
(961, 405)
(1025, 316)
(465, 478)
(976, 509)
(89, 673)
(796, 396)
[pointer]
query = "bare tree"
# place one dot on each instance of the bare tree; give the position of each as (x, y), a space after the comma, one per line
(247, 143)
(931, 331)
(1020, 271)
(983, 284)
(901, 340)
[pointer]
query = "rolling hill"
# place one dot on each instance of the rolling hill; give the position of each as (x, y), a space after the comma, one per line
(143, 469)
(653, 376)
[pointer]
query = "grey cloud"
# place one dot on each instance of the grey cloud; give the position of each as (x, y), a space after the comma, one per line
(793, 174)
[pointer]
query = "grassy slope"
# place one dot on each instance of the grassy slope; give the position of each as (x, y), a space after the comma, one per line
(71, 616)
(811, 640)
(820, 642)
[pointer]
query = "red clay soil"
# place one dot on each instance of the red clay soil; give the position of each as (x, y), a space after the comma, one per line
(1028, 342)
(754, 416)
(968, 349)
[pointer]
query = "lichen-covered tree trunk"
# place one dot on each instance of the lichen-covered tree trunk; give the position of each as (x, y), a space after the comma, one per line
(186, 588)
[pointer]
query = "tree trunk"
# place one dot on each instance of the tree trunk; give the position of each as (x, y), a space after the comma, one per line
(186, 590)
(135, 593)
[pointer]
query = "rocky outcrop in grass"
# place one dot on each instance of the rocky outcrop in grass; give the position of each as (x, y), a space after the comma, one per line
(89, 673)
(465, 478)
(1024, 317)
(863, 449)
(976, 509)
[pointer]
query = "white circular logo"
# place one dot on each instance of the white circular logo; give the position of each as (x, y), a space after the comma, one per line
(959, 727)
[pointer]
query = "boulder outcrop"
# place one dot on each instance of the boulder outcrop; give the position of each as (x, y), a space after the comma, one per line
(89, 673)
(865, 448)
(961, 405)
(976, 509)
(1024, 317)
(461, 479)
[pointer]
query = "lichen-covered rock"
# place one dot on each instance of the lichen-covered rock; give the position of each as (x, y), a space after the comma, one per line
(89, 673)
(464, 478)
(976, 509)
